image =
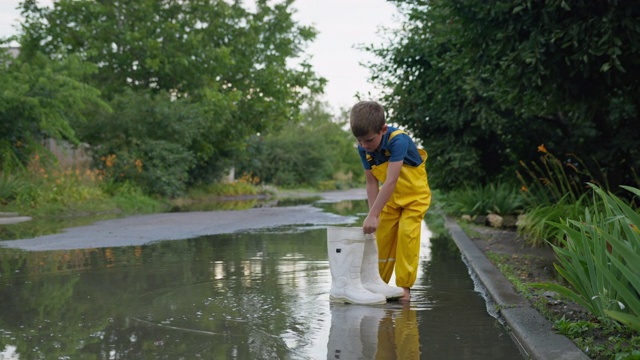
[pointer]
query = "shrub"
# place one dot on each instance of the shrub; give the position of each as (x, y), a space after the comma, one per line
(501, 198)
(149, 140)
(158, 167)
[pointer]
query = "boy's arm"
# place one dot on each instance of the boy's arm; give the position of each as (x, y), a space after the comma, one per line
(380, 196)
(373, 187)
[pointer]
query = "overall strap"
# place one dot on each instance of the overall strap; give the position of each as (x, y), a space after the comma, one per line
(395, 133)
(370, 159)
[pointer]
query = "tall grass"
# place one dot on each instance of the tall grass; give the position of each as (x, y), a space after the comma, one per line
(551, 180)
(598, 255)
(553, 190)
(535, 226)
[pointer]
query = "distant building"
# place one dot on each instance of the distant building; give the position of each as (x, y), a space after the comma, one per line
(14, 51)
(11, 50)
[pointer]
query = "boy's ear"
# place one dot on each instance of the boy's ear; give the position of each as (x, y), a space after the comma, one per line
(384, 129)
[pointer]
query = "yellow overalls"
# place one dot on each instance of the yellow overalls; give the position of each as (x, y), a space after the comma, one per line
(398, 234)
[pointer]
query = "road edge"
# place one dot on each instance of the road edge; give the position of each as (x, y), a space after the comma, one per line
(529, 329)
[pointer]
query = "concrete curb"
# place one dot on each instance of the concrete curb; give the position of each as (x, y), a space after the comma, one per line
(530, 330)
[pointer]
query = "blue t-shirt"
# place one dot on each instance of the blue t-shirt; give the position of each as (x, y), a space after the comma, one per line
(400, 148)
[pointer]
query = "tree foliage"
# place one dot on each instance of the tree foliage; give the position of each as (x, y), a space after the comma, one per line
(312, 151)
(147, 139)
(40, 99)
(482, 84)
(233, 62)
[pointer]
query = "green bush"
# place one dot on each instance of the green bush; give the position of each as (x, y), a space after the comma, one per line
(309, 153)
(146, 141)
(501, 198)
(40, 98)
(289, 161)
(552, 190)
(156, 166)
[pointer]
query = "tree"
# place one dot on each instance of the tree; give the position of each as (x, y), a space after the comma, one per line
(498, 79)
(147, 140)
(232, 61)
(314, 150)
(41, 99)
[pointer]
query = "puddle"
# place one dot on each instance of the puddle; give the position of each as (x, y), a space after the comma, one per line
(260, 294)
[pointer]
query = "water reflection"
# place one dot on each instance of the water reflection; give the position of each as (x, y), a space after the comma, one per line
(373, 332)
(251, 295)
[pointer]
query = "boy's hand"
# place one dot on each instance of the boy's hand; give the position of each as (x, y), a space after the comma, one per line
(370, 225)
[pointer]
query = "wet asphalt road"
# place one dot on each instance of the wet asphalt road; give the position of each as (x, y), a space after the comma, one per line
(144, 229)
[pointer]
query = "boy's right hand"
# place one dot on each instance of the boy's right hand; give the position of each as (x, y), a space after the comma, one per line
(370, 225)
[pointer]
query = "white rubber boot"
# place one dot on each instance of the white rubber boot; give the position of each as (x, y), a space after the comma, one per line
(370, 276)
(346, 247)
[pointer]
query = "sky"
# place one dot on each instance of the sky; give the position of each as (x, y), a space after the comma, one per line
(342, 24)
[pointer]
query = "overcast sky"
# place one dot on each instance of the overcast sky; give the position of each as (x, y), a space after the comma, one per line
(341, 25)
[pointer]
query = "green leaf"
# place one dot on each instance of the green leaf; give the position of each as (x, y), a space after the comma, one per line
(629, 320)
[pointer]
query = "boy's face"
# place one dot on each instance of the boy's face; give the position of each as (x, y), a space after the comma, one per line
(371, 141)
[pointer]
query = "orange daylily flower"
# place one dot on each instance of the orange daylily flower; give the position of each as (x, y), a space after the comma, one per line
(542, 149)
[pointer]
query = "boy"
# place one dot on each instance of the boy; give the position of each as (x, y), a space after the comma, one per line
(397, 208)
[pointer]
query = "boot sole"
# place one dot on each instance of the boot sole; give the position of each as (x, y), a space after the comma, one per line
(349, 301)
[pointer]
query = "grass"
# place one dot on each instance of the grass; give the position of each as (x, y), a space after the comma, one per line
(464, 225)
(502, 263)
(58, 198)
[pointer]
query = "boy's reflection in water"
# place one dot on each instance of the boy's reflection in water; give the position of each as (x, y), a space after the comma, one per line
(373, 332)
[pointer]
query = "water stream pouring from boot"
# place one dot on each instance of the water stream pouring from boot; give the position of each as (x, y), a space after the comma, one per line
(353, 261)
